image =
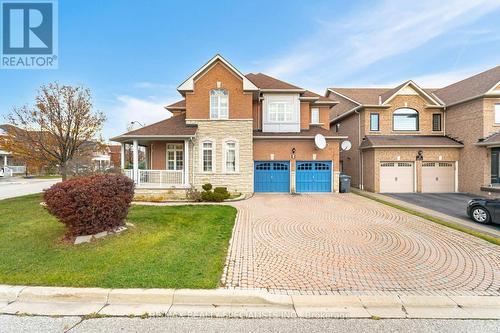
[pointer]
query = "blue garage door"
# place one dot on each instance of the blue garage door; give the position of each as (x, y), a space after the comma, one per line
(272, 176)
(313, 176)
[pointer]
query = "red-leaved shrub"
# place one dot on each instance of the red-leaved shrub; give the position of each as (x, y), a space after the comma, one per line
(89, 205)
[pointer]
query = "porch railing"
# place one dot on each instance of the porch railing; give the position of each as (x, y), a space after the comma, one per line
(17, 168)
(157, 178)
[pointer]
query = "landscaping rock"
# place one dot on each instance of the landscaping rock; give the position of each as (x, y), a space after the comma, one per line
(83, 239)
(119, 229)
(128, 224)
(101, 234)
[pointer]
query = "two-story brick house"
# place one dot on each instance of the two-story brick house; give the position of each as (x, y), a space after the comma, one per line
(249, 133)
(473, 117)
(398, 137)
(410, 139)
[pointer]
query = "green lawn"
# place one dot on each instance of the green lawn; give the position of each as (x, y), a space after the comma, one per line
(170, 247)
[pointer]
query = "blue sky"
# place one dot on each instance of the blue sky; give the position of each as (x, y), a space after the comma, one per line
(133, 54)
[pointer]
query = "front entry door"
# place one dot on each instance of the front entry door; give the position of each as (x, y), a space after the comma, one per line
(495, 177)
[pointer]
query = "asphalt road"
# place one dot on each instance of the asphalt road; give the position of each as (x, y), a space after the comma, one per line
(122, 324)
(19, 186)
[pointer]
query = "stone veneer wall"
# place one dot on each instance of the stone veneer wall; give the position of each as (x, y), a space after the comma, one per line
(219, 131)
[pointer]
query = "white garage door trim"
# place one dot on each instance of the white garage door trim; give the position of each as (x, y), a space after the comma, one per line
(438, 177)
(397, 177)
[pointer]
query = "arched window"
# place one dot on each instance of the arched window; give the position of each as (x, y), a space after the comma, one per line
(219, 104)
(405, 119)
(231, 156)
(207, 153)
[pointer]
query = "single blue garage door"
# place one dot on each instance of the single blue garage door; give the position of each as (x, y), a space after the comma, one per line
(272, 176)
(313, 176)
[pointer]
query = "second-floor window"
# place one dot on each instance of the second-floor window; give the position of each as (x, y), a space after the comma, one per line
(219, 104)
(497, 113)
(374, 122)
(280, 112)
(436, 122)
(405, 120)
(314, 116)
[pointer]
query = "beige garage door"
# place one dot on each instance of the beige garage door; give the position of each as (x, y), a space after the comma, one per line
(396, 177)
(438, 177)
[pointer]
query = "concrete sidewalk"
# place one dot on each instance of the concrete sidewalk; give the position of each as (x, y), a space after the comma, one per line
(95, 302)
(485, 229)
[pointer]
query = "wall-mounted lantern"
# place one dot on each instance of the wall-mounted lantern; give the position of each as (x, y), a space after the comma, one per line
(420, 156)
(293, 153)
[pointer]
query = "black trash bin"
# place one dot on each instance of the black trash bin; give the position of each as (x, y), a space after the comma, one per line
(345, 183)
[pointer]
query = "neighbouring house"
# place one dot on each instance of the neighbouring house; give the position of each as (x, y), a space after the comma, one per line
(473, 117)
(249, 133)
(93, 156)
(413, 139)
(9, 164)
(114, 152)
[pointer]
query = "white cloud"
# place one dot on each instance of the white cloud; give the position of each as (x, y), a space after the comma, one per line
(153, 85)
(377, 32)
(126, 109)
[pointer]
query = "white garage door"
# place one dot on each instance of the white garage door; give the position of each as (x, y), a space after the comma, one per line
(438, 177)
(396, 177)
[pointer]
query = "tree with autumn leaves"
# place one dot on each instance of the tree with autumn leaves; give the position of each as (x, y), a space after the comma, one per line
(56, 130)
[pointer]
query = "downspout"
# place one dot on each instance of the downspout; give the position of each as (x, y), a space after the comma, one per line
(360, 175)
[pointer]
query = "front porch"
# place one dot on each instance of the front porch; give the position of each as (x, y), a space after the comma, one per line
(159, 163)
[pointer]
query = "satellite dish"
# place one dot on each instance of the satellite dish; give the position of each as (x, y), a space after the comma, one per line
(346, 145)
(320, 141)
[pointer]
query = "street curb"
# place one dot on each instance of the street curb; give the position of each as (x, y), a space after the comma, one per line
(234, 303)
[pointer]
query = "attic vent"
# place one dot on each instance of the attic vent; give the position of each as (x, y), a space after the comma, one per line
(379, 100)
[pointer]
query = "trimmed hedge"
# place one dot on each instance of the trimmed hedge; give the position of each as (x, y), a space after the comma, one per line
(223, 192)
(89, 205)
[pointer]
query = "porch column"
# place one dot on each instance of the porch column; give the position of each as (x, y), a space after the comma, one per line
(122, 156)
(4, 160)
(135, 160)
(186, 163)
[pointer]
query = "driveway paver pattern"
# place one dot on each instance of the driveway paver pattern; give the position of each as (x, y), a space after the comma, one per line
(347, 244)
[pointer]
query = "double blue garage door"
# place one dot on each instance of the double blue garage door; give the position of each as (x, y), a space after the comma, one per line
(311, 176)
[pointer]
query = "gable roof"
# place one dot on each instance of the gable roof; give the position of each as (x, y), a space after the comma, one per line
(188, 84)
(360, 96)
(266, 82)
(174, 126)
(469, 88)
(388, 95)
(179, 105)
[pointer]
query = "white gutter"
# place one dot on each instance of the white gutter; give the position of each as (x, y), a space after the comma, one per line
(295, 137)
(121, 137)
(414, 146)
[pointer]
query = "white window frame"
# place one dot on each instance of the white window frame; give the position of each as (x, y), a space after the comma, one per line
(497, 113)
(175, 149)
(406, 111)
(201, 166)
(272, 108)
(236, 155)
(315, 114)
(215, 112)
(276, 112)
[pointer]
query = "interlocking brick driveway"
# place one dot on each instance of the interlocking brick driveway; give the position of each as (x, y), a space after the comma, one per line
(347, 244)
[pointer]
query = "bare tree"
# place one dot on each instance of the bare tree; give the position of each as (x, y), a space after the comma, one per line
(56, 128)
